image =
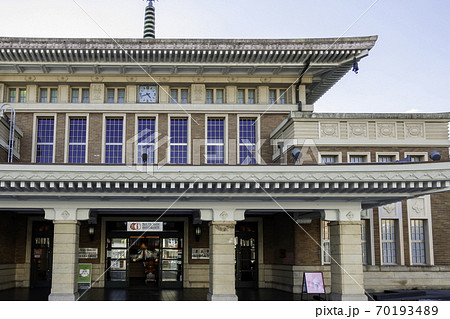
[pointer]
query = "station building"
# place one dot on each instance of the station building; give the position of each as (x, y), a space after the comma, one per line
(176, 164)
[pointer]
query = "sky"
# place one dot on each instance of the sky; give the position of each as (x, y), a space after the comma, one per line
(408, 70)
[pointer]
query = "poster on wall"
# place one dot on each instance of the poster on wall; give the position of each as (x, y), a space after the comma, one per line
(313, 283)
(84, 276)
(200, 253)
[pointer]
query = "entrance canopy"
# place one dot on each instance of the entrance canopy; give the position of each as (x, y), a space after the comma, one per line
(370, 184)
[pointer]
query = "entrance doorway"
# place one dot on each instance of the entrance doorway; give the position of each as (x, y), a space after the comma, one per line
(41, 254)
(144, 259)
(246, 255)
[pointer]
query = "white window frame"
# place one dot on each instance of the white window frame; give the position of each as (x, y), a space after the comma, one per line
(36, 116)
(338, 156)
(116, 95)
(246, 95)
(424, 155)
(365, 154)
(49, 94)
(80, 89)
(428, 228)
(135, 139)
(225, 142)
(17, 90)
(395, 156)
(397, 217)
(214, 91)
(367, 215)
(67, 134)
(257, 118)
(323, 241)
(124, 131)
(278, 94)
(179, 116)
(179, 95)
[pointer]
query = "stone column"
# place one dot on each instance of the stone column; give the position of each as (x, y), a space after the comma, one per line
(65, 251)
(347, 278)
(65, 260)
(222, 261)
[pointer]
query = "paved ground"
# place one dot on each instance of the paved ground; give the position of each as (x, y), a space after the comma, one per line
(41, 294)
(97, 294)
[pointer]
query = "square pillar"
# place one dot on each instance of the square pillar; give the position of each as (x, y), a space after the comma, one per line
(347, 278)
(65, 260)
(222, 261)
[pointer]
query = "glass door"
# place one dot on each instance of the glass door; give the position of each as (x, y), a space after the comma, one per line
(172, 262)
(116, 262)
(144, 261)
(41, 254)
(246, 255)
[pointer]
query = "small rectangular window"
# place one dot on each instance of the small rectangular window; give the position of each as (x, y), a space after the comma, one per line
(85, 96)
(22, 95)
(357, 158)
(241, 96)
(219, 96)
(48, 95)
(110, 96)
(80, 95)
(251, 97)
(272, 96)
(209, 96)
(12, 95)
(329, 159)
(43, 98)
(53, 95)
(174, 96)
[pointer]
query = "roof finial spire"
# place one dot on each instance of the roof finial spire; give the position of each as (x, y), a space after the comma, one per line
(149, 22)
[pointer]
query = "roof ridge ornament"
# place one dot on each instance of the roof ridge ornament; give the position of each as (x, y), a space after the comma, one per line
(149, 21)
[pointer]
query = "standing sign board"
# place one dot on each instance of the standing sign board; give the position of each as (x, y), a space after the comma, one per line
(313, 283)
(84, 276)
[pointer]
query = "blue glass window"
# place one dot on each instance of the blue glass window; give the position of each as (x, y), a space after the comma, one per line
(113, 141)
(215, 141)
(146, 140)
(44, 145)
(247, 141)
(178, 141)
(77, 140)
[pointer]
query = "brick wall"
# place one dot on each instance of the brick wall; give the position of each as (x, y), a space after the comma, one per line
(440, 212)
(307, 236)
(203, 241)
(279, 240)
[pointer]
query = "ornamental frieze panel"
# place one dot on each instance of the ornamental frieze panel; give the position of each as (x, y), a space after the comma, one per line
(414, 130)
(386, 130)
(329, 130)
(357, 130)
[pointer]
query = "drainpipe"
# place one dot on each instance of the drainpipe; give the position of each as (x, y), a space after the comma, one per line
(297, 85)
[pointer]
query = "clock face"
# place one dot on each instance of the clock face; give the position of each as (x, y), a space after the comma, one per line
(147, 94)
